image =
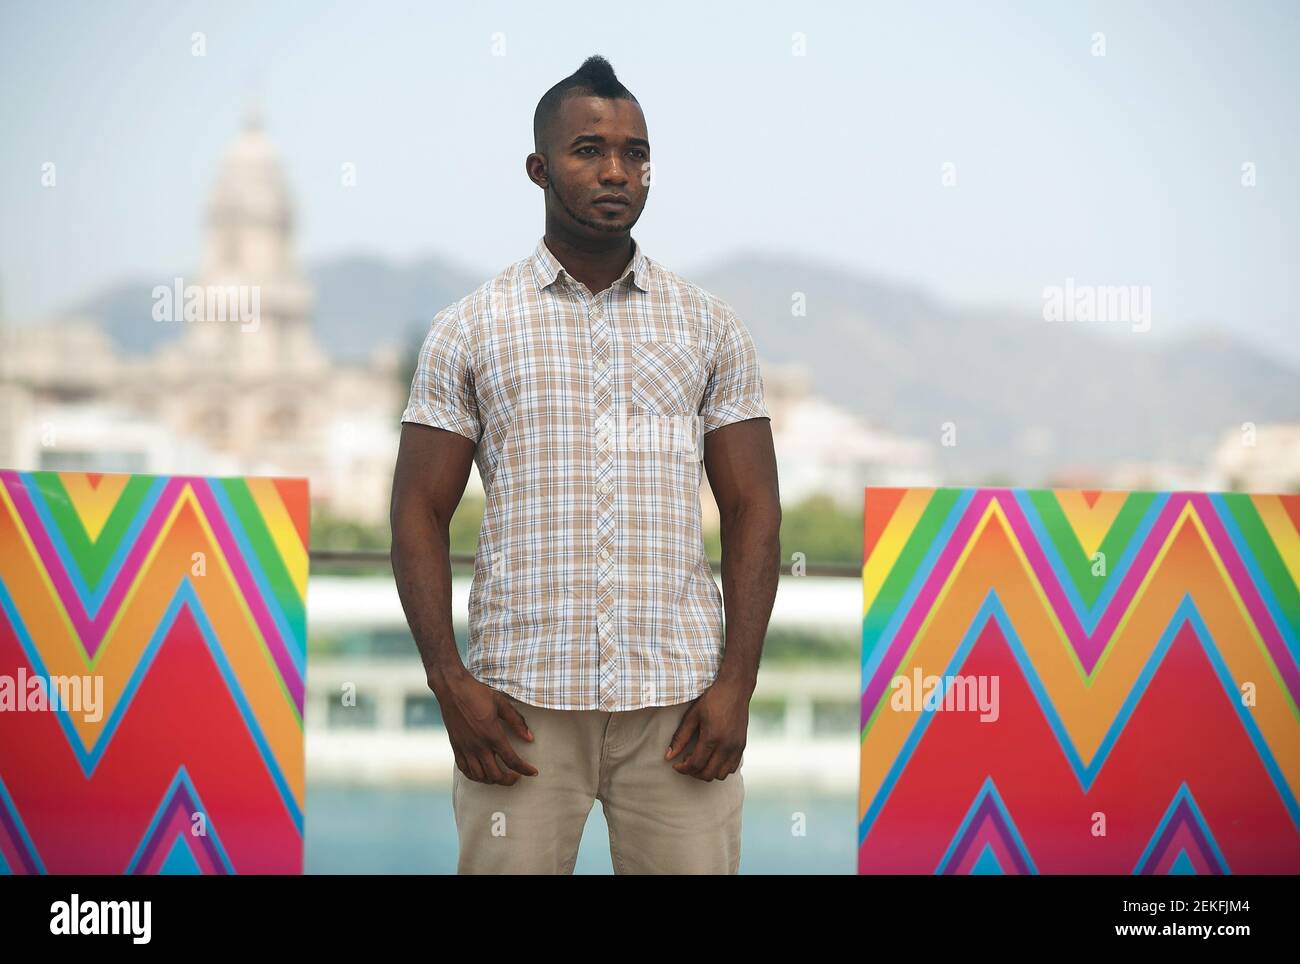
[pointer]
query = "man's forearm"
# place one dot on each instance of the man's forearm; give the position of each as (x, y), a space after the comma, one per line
(421, 561)
(751, 567)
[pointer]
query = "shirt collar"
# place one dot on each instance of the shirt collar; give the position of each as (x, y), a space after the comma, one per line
(546, 267)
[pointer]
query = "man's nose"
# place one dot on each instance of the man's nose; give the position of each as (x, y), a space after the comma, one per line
(614, 172)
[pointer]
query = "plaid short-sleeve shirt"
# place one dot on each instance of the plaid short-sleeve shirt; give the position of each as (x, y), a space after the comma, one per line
(591, 585)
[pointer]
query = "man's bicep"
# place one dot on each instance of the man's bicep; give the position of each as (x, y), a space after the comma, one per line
(433, 466)
(740, 461)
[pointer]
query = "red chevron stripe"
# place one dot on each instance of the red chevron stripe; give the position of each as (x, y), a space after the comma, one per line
(94, 826)
(1184, 728)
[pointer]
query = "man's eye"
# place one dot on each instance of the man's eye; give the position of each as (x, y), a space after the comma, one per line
(587, 148)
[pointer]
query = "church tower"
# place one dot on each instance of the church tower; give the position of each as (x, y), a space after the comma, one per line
(249, 261)
(253, 389)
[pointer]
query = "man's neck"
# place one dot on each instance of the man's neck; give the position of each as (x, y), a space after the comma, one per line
(595, 267)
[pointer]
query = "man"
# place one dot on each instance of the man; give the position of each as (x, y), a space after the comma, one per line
(589, 382)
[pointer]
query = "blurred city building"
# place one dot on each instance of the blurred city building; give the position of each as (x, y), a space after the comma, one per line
(1264, 458)
(825, 449)
(247, 390)
(1254, 458)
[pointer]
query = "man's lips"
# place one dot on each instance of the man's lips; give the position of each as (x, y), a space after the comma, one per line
(611, 199)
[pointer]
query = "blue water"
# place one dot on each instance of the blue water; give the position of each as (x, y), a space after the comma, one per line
(411, 830)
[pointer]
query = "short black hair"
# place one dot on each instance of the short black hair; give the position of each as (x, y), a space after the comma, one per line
(595, 78)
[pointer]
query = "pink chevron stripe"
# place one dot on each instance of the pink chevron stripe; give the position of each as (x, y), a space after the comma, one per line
(991, 834)
(1090, 646)
(252, 593)
(132, 565)
(12, 847)
(925, 600)
(44, 547)
(1087, 646)
(1241, 578)
(91, 630)
(1182, 841)
(176, 823)
(1087, 651)
(1137, 573)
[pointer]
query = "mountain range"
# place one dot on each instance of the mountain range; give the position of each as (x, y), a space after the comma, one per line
(1023, 398)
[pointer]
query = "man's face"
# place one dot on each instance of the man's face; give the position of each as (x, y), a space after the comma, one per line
(599, 148)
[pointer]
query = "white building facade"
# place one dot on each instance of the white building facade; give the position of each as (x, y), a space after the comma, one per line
(247, 389)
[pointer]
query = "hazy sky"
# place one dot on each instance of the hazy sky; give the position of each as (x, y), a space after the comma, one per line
(1122, 169)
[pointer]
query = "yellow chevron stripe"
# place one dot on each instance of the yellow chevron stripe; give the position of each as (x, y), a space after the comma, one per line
(1090, 522)
(283, 532)
(1282, 531)
(1088, 706)
(892, 542)
(93, 505)
(35, 597)
(170, 559)
(232, 621)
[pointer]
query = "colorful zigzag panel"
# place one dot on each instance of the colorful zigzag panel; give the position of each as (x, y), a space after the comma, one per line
(184, 598)
(1108, 682)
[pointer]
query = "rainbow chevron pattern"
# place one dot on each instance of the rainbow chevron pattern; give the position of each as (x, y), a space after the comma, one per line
(1145, 650)
(186, 597)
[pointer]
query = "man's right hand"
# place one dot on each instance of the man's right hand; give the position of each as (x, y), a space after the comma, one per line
(474, 714)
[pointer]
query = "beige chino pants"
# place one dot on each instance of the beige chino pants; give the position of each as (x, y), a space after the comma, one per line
(660, 821)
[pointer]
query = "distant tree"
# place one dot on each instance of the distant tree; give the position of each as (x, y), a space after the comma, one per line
(465, 525)
(329, 531)
(818, 526)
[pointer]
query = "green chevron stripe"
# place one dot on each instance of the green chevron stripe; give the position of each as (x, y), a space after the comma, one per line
(91, 557)
(259, 538)
(1265, 555)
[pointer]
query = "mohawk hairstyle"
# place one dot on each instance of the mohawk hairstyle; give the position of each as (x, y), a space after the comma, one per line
(595, 78)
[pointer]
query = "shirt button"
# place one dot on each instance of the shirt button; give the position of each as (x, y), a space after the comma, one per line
(601, 365)
(604, 555)
(607, 487)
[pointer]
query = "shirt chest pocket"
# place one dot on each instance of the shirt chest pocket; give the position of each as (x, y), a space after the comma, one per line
(667, 377)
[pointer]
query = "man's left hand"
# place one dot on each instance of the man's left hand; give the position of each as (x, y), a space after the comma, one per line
(719, 718)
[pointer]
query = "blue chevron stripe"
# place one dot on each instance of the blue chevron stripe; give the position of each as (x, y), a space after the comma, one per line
(1086, 774)
(296, 647)
(989, 789)
(91, 598)
(88, 759)
(1275, 609)
(1182, 795)
(1090, 616)
(182, 777)
(873, 650)
(28, 844)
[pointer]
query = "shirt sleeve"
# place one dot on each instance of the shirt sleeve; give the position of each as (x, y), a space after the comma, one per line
(442, 391)
(734, 391)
